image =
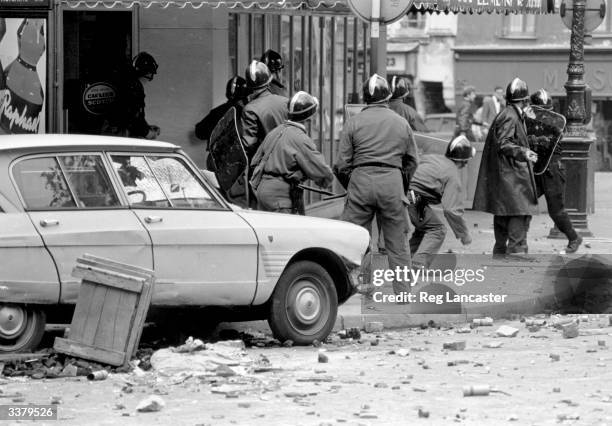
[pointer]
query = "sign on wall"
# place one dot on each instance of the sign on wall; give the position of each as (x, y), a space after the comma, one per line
(23, 75)
(14, 4)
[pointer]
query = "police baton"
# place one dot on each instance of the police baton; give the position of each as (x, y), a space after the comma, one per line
(331, 195)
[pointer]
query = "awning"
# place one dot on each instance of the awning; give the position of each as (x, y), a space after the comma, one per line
(432, 6)
(486, 6)
(254, 5)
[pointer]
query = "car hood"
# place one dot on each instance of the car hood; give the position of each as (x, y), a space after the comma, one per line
(290, 233)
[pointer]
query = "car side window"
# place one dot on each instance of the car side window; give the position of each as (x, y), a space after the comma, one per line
(89, 181)
(139, 183)
(42, 184)
(179, 183)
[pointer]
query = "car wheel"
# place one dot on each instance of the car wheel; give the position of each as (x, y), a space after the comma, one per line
(304, 304)
(21, 328)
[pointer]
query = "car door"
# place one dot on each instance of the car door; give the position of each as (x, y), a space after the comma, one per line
(75, 208)
(204, 253)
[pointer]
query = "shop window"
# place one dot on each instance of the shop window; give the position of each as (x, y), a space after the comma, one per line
(415, 20)
(518, 26)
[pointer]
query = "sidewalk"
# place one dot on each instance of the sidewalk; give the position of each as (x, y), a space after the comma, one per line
(353, 314)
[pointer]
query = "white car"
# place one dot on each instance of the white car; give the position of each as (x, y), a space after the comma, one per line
(145, 203)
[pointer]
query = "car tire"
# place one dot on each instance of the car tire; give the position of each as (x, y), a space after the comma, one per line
(304, 304)
(21, 328)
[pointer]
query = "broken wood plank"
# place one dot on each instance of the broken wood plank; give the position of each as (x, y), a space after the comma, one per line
(85, 351)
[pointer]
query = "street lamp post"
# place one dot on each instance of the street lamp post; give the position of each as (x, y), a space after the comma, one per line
(576, 141)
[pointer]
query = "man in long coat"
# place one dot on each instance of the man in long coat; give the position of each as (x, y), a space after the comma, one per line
(506, 186)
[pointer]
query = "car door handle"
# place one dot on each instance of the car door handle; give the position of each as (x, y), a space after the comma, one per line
(45, 223)
(153, 219)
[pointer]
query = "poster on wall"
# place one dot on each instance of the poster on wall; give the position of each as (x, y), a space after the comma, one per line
(23, 75)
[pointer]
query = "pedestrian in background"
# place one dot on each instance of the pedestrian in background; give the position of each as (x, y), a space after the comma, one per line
(491, 106)
(506, 185)
(465, 114)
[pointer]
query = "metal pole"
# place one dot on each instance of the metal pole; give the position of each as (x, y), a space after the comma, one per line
(576, 142)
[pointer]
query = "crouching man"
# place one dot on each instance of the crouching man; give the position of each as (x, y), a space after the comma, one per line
(436, 181)
(288, 157)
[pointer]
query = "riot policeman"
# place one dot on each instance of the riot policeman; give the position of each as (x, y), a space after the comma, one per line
(377, 156)
(551, 183)
(275, 64)
(437, 181)
(236, 93)
(506, 185)
(400, 89)
(264, 111)
(288, 157)
(128, 117)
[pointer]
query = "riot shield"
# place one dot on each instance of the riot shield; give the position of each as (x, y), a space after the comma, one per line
(547, 127)
(227, 151)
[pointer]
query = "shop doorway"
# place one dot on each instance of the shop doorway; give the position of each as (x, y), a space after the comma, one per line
(97, 49)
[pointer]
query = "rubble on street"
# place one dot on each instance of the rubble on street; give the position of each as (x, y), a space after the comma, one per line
(254, 380)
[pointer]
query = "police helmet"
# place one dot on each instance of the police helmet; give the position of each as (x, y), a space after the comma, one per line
(517, 91)
(302, 106)
(376, 90)
(273, 60)
(542, 99)
(400, 87)
(460, 149)
(145, 65)
(258, 75)
(236, 88)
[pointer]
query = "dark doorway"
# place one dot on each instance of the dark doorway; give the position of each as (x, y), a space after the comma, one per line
(97, 48)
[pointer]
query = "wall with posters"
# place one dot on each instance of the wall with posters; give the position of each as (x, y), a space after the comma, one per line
(23, 59)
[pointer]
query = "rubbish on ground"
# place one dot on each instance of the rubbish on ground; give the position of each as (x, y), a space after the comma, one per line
(423, 413)
(494, 345)
(554, 357)
(507, 331)
(151, 404)
(486, 321)
(323, 358)
(570, 331)
(374, 327)
(98, 375)
(454, 346)
(190, 345)
(481, 390)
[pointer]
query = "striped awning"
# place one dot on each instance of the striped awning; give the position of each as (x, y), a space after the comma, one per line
(254, 5)
(432, 6)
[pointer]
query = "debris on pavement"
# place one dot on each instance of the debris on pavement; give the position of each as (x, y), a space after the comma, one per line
(190, 345)
(350, 333)
(98, 375)
(424, 414)
(374, 327)
(454, 346)
(323, 358)
(507, 331)
(151, 404)
(486, 322)
(554, 357)
(493, 345)
(570, 331)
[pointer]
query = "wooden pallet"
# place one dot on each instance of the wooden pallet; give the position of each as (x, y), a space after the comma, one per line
(113, 302)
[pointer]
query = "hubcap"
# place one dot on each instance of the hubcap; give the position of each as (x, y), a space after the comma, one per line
(308, 304)
(13, 320)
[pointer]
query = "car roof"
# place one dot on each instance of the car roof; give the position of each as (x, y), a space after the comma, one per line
(26, 142)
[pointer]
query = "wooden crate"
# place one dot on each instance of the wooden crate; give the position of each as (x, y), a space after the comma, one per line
(113, 302)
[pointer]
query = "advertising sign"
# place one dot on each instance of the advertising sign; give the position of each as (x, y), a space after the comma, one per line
(99, 98)
(23, 75)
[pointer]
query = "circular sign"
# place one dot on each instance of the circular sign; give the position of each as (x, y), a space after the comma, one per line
(99, 98)
(390, 10)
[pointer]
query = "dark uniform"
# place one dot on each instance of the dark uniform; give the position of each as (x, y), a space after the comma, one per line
(551, 183)
(291, 157)
(278, 88)
(127, 118)
(506, 185)
(263, 113)
(377, 144)
(409, 113)
(436, 181)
